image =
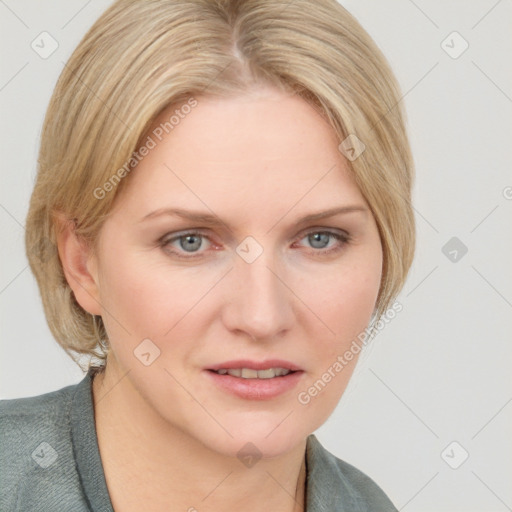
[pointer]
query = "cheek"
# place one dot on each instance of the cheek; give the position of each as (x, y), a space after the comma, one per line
(137, 296)
(346, 307)
(350, 297)
(149, 300)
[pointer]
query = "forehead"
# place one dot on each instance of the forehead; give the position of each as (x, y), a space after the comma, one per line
(256, 127)
(242, 153)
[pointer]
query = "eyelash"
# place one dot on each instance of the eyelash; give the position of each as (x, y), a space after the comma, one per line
(342, 238)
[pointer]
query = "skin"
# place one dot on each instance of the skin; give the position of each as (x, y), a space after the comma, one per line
(168, 438)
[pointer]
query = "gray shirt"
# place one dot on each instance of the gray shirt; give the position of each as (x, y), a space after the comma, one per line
(50, 461)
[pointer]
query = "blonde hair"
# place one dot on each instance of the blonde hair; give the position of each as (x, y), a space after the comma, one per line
(141, 56)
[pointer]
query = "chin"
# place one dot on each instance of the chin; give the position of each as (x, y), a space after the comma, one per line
(260, 438)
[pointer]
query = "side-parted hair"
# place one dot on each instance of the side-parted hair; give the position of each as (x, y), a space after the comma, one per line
(142, 56)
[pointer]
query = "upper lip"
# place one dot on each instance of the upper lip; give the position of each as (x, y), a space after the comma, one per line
(256, 365)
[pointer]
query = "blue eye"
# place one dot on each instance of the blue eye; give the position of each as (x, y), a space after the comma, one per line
(188, 244)
(320, 240)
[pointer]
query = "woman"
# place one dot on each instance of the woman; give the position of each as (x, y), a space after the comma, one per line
(222, 208)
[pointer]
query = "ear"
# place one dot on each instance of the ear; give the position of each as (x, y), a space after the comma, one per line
(79, 265)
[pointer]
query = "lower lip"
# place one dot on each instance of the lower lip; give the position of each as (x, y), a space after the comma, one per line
(256, 389)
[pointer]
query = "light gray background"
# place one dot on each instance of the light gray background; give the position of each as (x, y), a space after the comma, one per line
(440, 371)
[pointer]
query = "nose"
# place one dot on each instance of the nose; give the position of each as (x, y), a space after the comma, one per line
(260, 302)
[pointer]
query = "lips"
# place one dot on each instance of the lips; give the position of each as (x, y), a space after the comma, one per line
(250, 388)
(248, 373)
(240, 364)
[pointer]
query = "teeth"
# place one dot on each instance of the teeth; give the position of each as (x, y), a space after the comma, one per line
(248, 373)
(266, 374)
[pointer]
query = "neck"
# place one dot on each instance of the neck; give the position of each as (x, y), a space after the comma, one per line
(164, 468)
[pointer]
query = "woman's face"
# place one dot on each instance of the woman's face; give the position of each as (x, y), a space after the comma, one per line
(245, 283)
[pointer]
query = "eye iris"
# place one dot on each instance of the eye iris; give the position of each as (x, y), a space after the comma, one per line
(192, 245)
(313, 238)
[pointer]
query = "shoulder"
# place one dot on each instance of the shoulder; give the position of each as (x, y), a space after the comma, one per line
(340, 485)
(366, 491)
(31, 404)
(35, 416)
(36, 452)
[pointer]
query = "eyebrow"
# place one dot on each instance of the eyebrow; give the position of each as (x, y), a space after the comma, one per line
(213, 220)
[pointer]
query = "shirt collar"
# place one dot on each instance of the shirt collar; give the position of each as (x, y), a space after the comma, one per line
(326, 487)
(86, 449)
